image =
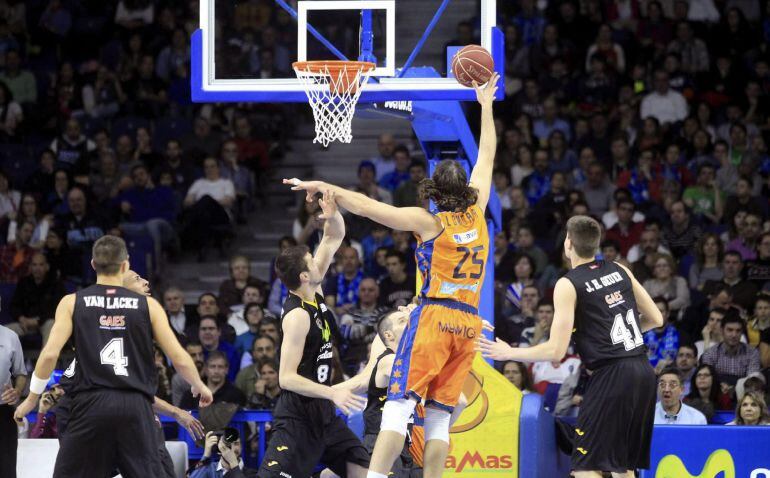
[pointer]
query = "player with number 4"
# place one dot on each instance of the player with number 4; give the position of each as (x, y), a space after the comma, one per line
(605, 308)
(111, 423)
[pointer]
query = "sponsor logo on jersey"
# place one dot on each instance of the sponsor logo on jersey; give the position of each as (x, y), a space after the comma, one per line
(110, 291)
(449, 288)
(462, 330)
(272, 463)
(603, 281)
(282, 448)
(614, 299)
(111, 302)
(112, 322)
(583, 451)
(466, 237)
(325, 352)
(284, 474)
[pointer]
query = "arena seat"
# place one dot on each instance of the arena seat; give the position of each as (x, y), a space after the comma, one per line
(36, 457)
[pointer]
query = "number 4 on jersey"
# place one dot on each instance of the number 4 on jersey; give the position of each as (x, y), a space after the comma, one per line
(631, 339)
(112, 354)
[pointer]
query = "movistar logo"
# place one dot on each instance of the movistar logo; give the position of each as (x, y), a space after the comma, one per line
(720, 461)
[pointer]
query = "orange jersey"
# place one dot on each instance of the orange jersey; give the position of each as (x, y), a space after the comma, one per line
(452, 264)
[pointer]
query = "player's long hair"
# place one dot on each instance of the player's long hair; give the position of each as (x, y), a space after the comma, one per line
(449, 188)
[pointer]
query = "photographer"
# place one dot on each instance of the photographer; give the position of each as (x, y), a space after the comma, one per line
(230, 465)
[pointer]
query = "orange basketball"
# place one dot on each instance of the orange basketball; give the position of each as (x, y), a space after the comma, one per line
(473, 63)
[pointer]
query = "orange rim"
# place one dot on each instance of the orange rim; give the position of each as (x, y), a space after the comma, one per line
(333, 66)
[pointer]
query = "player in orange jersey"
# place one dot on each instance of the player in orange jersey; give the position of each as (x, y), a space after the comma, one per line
(435, 353)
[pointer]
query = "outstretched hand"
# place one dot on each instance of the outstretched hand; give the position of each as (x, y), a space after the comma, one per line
(497, 350)
(328, 205)
(311, 188)
(485, 94)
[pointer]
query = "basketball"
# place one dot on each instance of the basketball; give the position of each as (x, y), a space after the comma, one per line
(473, 63)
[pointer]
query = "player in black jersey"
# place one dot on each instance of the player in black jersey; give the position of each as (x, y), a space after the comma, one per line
(111, 423)
(306, 429)
(607, 310)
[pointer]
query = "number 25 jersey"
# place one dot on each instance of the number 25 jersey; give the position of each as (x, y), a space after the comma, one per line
(112, 333)
(606, 316)
(452, 264)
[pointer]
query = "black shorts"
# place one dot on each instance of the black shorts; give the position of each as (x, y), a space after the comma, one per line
(109, 429)
(296, 447)
(614, 426)
(403, 467)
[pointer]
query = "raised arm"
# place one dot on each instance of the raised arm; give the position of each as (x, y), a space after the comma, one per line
(296, 325)
(564, 299)
(413, 219)
(481, 177)
(60, 334)
(334, 233)
(360, 382)
(181, 360)
(649, 315)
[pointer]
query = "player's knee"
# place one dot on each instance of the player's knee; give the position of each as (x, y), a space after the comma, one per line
(396, 414)
(436, 424)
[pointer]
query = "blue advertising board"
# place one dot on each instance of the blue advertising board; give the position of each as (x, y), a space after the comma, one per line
(710, 452)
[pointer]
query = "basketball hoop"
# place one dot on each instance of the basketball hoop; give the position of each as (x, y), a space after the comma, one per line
(333, 89)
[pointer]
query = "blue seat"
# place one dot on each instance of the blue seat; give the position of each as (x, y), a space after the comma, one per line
(128, 125)
(140, 253)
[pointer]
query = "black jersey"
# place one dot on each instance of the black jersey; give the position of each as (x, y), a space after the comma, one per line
(113, 341)
(375, 400)
(606, 317)
(315, 364)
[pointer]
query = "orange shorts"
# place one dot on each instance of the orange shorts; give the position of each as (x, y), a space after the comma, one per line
(435, 353)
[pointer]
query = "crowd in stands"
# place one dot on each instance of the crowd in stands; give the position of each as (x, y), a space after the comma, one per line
(652, 117)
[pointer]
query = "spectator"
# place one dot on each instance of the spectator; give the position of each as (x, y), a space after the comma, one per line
(203, 143)
(149, 209)
(209, 203)
(16, 256)
(217, 380)
(540, 332)
(269, 327)
(743, 199)
(45, 422)
(241, 177)
(307, 227)
(229, 465)
(686, 360)
(666, 284)
(252, 314)
(10, 200)
(754, 382)
(625, 232)
(263, 348)
(400, 174)
(642, 256)
(34, 302)
(748, 236)
(342, 290)
(13, 379)
(537, 184)
(510, 326)
(237, 319)
(704, 393)
(523, 166)
(758, 271)
(547, 373)
(397, 289)
(743, 292)
(704, 198)
(571, 393)
(105, 96)
(408, 193)
(692, 50)
(518, 374)
(73, 149)
(41, 181)
(708, 261)
(551, 122)
(606, 48)
(730, 358)
(266, 390)
(751, 410)
(682, 234)
(662, 342)
(10, 113)
(761, 319)
(598, 190)
(231, 290)
(252, 151)
(383, 162)
(182, 172)
(21, 82)
(664, 104)
(209, 334)
(184, 327)
(367, 183)
(178, 385)
(670, 410)
(523, 276)
(525, 244)
(29, 212)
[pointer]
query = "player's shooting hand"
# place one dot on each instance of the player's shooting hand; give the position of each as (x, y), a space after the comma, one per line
(311, 188)
(485, 94)
(328, 205)
(497, 350)
(191, 424)
(9, 396)
(206, 397)
(24, 409)
(348, 401)
(209, 444)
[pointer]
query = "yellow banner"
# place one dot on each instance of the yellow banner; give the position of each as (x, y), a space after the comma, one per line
(486, 437)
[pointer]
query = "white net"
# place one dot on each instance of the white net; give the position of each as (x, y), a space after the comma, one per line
(333, 89)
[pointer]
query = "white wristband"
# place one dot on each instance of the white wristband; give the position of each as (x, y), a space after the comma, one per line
(37, 385)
